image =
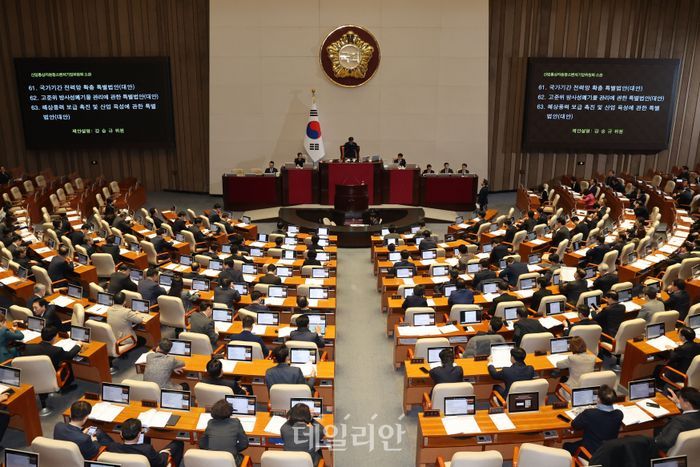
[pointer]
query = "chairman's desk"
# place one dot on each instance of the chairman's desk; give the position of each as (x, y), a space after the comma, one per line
(541, 427)
(186, 430)
(253, 374)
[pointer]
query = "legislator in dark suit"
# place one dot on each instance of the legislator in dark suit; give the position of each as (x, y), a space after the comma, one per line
(572, 290)
(112, 250)
(306, 335)
(525, 326)
(303, 437)
(679, 301)
(119, 282)
(247, 336)
(228, 295)
(179, 225)
(610, 318)
(598, 426)
(351, 150)
(686, 421)
(427, 244)
(683, 355)
(460, 297)
(447, 374)
(499, 252)
(505, 297)
(56, 354)
(283, 373)
(402, 264)
(517, 372)
(414, 301)
(150, 290)
(513, 271)
(605, 282)
(581, 228)
(537, 297)
(160, 244)
(225, 435)
(203, 324)
(271, 279)
(59, 269)
(88, 448)
(560, 235)
(155, 458)
(51, 319)
(595, 255)
(482, 275)
(232, 274)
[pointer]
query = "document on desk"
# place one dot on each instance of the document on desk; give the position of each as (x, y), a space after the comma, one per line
(463, 225)
(567, 274)
(274, 301)
(538, 241)
(582, 251)
(550, 322)
(307, 369)
(154, 418)
(668, 249)
(525, 293)
(29, 335)
(489, 297)
(556, 358)
(653, 411)
(676, 241)
(428, 262)
(313, 302)
(311, 281)
(452, 261)
(460, 424)
(656, 259)
(502, 421)
(210, 273)
(641, 264)
(97, 309)
(123, 251)
(42, 250)
(66, 344)
(222, 326)
(408, 281)
(9, 280)
(483, 255)
(247, 421)
(633, 414)
(228, 366)
(631, 306)
(570, 315)
(257, 244)
(275, 424)
(285, 331)
(259, 329)
(448, 329)
(440, 279)
(467, 277)
(203, 421)
(142, 359)
(249, 277)
(286, 262)
(105, 411)
(662, 343)
(62, 301)
(431, 302)
(534, 268)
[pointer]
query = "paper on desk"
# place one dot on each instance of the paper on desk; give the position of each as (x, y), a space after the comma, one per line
(631, 306)
(97, 309)
(498, 233)
(312, 281)
(501, 359)
(538, 241)
(676, 241)
(570, 315)
(228, 366)
(408, 281)
(249, 277)
(556, 358)
(452, 261)
(655, 258)
(582, 251)
(653, 411)
(463, 225)
(460, 424)
(62, 301)
(142, 359)
(248, 422)
(203, 421)
(550, 322)
(274, 301)
(313, 302)
(285, 331)
(448, 328)
(105, 411)
(467, 277)
(210, 273)
(307, 369)
(489, 297)
(668, 249)
(275, 424)
(567, 274)
(286, 262)
(428, 262)
(633, 414)
(170, 266)
(29, 335)
(42, 250)
(154, 418)
(525, 293)
(534, 267)
(9, 280)
(640, 264)
(440, 279)
(123, 251)
(482, 255)
(502, 421)
(257, 244)
(221, 326)
(431, 302)
(662, 343)
(259, 329)
(66, 344)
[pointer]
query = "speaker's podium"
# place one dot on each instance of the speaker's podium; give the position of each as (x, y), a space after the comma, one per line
(332, 174)
(351, 201)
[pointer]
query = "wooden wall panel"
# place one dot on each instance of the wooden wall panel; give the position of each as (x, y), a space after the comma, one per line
(587, 28)
(121, 28)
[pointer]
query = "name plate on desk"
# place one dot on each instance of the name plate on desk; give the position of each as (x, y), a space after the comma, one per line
(417, 361)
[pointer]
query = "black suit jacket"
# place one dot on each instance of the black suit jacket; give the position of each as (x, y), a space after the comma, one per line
(506, 297)
(512, 272)
(159, 244)
(88, 448)
(682, 356)
(560, 235)
(679, 301)
(610, 318)
(228, 296)
(235, 276)
(537, 298)
(605, 282)
(119, 282)
(155, 458)
(597, 426)
(111, 250)
(52, 319)
(56, 354)
(427, 244)
(581, 228)
(248, 336)
(270, 279)
(77, 237)
(412, 301)
(526, 326)
(582, 322)
(574, 289)
(509, 375)
(481, 276)
(510, 233)
(595, 255)
(179, 225)
(59, 268)
(677, 425)
(446, 374)
(498, 253)
(306, 335)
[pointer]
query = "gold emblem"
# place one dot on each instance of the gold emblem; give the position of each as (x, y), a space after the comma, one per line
(350, 56)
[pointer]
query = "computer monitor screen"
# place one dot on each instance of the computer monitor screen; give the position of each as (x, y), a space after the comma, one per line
(473, 268)
(116, 393)
(502, 264)
(100, 464)
(493, 227)
(292, 229)
(418, 241)
(277, 291)
(487, 247)
(318, 293)
(249, 269)
(407, 291)
(284, 271)
(631, 258)
(489, 287)
(624, 295)
(241, 288)
(527, 284)
(322, 231)
(459, 220)
(695, 271)
(469, 316)
(242, 405)
(75, 291)
(175, 400)
(447, 291)
(262, 237)
(559, 344)
(181, 347)
(523, 402)
(302, 356)
(51, 243)
(223, 315)
(385, 232)
(314, 404)
(226, 249)
(320, 273)
(440, 271)
(641, 389)
(268, 318)
(80, 333)
(240, 353)
(428, 254)
(165, 280)
(17, 458)
(404, 273)
(135, 247)
(592, 301)
(590, 272)
(135, 275)
(35, 323)
(534, 258)
(394, 256)
(531, 236)
(142, 306)
(290, 240)
(584, 396)
(245, 220)
(655, 330)
(317, 319)
(555, 308)
(415, 229)
(423, 319)
(460, 405)
(200, 284)
(675, 461)
(390, 241)
(256, 252)
(178, 237)
(10, 376)
(694, 321)
(22, 272)
(82, 259)
(434, 353)
(503, 348)
(215, 265)
(556, 279)
(510, 313)
(289, 254)
(105, 299)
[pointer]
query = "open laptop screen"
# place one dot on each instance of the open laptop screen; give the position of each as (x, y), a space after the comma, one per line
(175, 400)
(641, 389)
(116, 393)
(584, 396)
(523, 402)
(460, 405)
(242, 405)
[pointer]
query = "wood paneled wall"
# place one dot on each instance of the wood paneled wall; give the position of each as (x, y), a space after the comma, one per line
(122, 28)
(587, 28)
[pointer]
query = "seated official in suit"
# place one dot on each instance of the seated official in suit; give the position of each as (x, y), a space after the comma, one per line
(229, 272)
(257, 302)
(510, 229)
(500, 251)
(350, 149)
(202, 323)
(688, 401)
(120, 280)
(480, 344)
(49, 336)
(610, 317)
(121, 319)
(540, 292)
(595, 255)
(302, 306)
(180, 223)
(110, 248)
(271, 169)
(149, 288)
(579, 228)
(403, 263)
(584, 319)
(78, 237)
(561, 232)
(599, 424)
(215, 213)
(131, 429)
(573, 290)
(60, 267)
(270, 277)
(518, 371)
(484, 273)
(461, 295)
(428, 170)
(283, 373)
(447, 372)
(302, 433)
(7, 338)
(160, 365)
(551, 267)
(400, 161)
(299, 161)
(446, 169)
(417, 299)
(226, 294)
(160, 244)
(579, 362)
(196, 229)
(224, 432)
(504, 296)
(525, 325)
(681, 357)
(39, 292)
(651, 305)
(215, 375)
(247, 334)
(678, 298)
(303, 333)
(513, 271)
(428, 243)
(42, 309)
(311, 259)
(73, 431)
(605, 280)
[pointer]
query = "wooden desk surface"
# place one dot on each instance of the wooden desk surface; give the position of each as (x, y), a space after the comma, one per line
(272, 332)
